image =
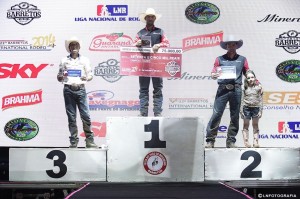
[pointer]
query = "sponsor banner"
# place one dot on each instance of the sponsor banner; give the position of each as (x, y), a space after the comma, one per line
(143, 62)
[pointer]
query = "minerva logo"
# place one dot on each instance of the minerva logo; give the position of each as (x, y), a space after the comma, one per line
(21, 129)
(289, 71)
(202, 41)
(289, 41)
(23, 13)
(202, 12)
(25, 71)
(21, 99)
(110, 42)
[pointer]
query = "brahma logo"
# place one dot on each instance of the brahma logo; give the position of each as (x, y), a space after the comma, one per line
(289, 71)
(289, 127)
(22, 99)
(23, 13)
(112, 10)
(110, 42)
(25, 71)
(202, 41)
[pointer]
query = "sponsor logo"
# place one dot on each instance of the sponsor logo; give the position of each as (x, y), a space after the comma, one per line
(23, 13)
(110, 42)
(188, 76)
(172, 68)
(102, 100)
(22, 99)
(39, 43)
(289, 41)
(202, 41)
(289, 71)
(155, 163)
(98, 128)
(111, 13)
(276, 18)
(190, 103)
(281, 101)
(21, 129)
(289, 127)
(25, 71)
(202, 12)
(108, 70)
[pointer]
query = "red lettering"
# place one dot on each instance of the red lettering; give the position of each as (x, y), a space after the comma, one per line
(26, 71)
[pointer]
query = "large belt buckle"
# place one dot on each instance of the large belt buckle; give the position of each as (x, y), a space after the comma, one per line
(229, 86)
(75, 87)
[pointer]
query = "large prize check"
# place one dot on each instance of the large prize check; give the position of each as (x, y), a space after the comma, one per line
(143, 62)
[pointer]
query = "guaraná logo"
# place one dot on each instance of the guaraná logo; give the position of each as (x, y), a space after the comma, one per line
(289, 41)
(23, 13)
(289, 71)
(21, 129)
(202, 12)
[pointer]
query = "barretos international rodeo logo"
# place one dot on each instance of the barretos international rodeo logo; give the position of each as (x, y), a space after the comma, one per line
(23, 13)
(202, 12)
(21, 129)
(22, 99)
(289, 71)
(108, 70)
(155, 163)
(110, 42)
(289, 41)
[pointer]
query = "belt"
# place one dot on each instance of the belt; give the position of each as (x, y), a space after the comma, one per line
(75, 87)
(229, 86)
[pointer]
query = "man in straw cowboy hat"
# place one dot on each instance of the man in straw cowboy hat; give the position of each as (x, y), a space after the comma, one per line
(74, 72)
(229, 90)
(153, 37)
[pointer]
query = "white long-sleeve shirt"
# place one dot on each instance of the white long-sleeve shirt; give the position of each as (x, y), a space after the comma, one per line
(75, 69)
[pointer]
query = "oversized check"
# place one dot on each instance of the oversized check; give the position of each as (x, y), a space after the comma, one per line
(144, 62)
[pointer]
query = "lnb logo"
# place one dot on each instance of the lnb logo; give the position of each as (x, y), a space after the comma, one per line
(112, 10)
(289, 127)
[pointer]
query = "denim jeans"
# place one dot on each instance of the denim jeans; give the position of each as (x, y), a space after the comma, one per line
(157, 95)
(78, 99)
(222, 97)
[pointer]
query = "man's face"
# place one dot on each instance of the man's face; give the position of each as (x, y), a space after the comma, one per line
(231, 46)
(74, 47)
(250, 79)
(150, 19)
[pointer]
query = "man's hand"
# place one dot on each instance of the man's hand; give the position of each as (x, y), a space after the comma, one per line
(215, 75)
(84, 78)
(138, 43)
(155, 47)
(60, 77)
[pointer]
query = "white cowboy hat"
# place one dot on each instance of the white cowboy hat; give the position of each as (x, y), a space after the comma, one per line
(229, 39)
(149, 11)
(72, 39)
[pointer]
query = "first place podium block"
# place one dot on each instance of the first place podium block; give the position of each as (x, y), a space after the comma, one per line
(57, 165)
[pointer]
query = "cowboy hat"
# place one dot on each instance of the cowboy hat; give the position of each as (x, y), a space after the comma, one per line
(72, 39)
(149, 11)
(230, 39)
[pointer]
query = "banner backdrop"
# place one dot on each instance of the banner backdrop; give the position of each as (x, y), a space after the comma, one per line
(32, 42)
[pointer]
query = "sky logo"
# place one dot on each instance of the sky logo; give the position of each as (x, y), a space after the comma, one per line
(112, 10)
(289, 127)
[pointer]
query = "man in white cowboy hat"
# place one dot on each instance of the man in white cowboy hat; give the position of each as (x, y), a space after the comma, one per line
(153, 37)
(74, 72)
(229, 90)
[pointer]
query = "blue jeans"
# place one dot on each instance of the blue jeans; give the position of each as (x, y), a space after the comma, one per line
(78, 99)
(157, 94)
(222, 97)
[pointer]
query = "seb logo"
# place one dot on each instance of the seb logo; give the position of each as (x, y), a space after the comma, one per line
(289, 127)
(24, 71)
(281, 98)
(112, 10)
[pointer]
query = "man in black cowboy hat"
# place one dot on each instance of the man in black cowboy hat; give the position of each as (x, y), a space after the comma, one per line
(157, 39)
(229, 90)
(74, 72)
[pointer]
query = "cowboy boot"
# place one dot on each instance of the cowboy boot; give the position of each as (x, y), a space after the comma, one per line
(246, 138)
(255, 138)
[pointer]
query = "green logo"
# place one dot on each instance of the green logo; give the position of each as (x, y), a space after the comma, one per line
(21, 129)
(202, 12)
(289, 71)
